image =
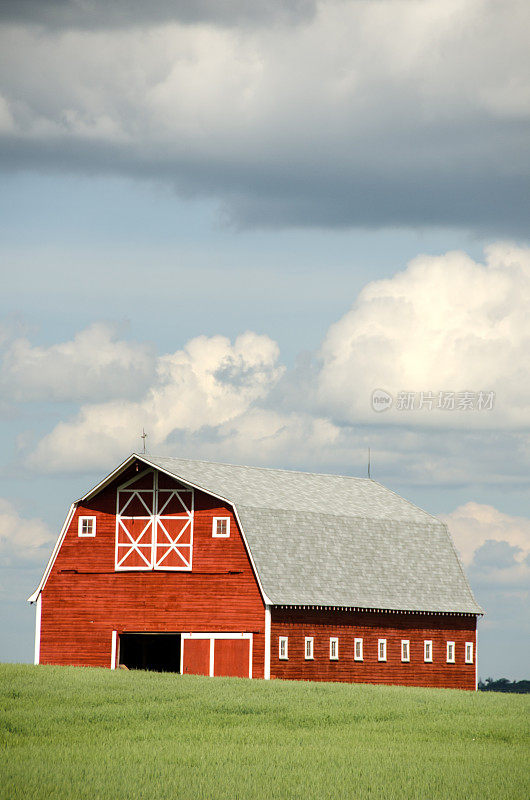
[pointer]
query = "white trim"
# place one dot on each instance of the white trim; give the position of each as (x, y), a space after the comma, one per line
(212, 657)
(312, 649)
(80, 521)
(267, 659)
(216, 535)
(468, 661)
(475, 654)
(450, 648)
(355, 643)
(38, 612)
(283, 640)
(58, 543)
(427, 645)
(381, 655)
(114, 649)
(212, 637)
(405, 643)
(333, 640)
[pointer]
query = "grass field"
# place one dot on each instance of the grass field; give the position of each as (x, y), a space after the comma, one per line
(68, 732)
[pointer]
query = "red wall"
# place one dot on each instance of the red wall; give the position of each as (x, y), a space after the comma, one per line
(81, 609)
(346, 625)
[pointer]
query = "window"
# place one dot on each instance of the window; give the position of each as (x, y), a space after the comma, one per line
(469, 652)
(308, 648)
(334, 649)
(221, 527)
(358, 650)
(427, 650)
(87, 526)
(282, 648)
(450, 652)
(381, 650)
(405, 650)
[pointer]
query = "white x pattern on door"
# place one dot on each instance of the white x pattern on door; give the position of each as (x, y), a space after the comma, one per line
(154, 526)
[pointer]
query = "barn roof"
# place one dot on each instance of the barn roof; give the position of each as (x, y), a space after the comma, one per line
(332, 540)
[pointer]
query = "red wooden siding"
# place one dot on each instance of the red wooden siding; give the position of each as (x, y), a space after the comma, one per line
(85, 599)
(196, 656)
(346, 626)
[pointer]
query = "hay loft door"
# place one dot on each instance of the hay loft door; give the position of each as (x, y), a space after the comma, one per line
(154, 524)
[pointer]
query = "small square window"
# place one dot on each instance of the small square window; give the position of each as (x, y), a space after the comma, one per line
(282, 648)
(86, 526)
(450, 652)
(221, 527)
(427, 650)
(358, 650)
(309, 648)
(381, 650)
(334, 649)
(469, 652)
(405, 650)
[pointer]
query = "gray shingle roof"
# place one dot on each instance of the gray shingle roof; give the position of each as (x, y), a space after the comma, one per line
(333, 540)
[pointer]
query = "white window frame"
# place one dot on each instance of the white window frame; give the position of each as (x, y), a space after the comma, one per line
(80, 526)
(427, 645)
(381, 657)
(283, 641)
(355, 643)
(405, 646)
(469, 649)
(334, 641)
(309, 640)
(214, 528)
(451, 649)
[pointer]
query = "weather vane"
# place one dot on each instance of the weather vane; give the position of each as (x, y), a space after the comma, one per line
(143, 437)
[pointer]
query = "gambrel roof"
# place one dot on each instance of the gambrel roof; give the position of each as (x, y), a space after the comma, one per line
(332, 540)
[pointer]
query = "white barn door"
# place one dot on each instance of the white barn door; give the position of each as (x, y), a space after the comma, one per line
(154, 525)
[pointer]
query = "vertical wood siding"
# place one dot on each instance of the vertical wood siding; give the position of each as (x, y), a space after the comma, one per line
(296, 624)
(84, 599)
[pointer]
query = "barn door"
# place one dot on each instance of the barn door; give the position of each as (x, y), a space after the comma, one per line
(173, 545)
(135, 522)
(154, 524)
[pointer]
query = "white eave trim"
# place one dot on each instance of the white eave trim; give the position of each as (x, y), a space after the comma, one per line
(58, 543)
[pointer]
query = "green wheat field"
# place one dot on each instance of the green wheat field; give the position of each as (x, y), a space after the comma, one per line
(70, 732)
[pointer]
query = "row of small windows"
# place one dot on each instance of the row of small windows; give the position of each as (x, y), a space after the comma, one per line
(428, 653)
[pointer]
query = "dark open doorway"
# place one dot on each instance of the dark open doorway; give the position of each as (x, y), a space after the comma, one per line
(158, 652)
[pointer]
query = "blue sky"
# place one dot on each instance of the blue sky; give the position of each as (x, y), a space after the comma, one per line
(211, 232)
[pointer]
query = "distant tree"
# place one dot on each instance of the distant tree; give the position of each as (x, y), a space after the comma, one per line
(504, 685)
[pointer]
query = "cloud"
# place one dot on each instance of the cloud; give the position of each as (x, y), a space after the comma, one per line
(444, 324)
(95, 364)
(23, 542)
(412, 113)
(494, 546)
(207, 383)
(125, 13)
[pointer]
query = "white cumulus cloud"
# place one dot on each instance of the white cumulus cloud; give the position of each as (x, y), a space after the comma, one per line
(22, 541)
(206, 384)
(95, 364)
(444, 324)
(494, 546)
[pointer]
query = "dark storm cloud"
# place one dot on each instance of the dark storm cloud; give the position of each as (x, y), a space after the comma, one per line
(368, 114)
(92, 14)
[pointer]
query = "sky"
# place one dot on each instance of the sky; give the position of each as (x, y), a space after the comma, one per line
(231, 224)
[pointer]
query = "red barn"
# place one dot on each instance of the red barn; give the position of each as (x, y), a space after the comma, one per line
(215, 569)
